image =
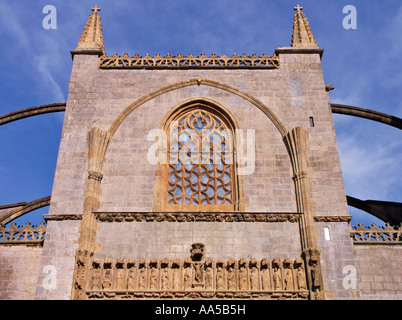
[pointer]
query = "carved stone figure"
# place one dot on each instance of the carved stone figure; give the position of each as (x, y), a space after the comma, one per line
(277, 276)
(300, 274)
(176, 282)
(107, 277)
(187, 274)
(198, 274)
(107, 280)
(153, 276)
(220, 275)
(120, 276)
(232, 275)
(288, 281)
(315, 273)
(209, 274)
(165, 279)
(265, 276)
(243, 274)
(287, 275)
(131, 283)
(142, 275)
(254, 279)
(96, 274)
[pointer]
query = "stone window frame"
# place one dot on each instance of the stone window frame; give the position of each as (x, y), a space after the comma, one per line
(162, 171)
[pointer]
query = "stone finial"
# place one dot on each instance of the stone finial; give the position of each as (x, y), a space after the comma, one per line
(96, 9)
(92, 36)
(302, 34)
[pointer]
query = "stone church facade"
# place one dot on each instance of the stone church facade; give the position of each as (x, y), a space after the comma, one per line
(195, 177)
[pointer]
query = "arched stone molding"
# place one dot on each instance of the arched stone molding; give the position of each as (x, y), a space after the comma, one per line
(197, 82)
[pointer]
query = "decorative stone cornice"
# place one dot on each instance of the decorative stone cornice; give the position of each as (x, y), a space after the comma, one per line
(189, 62)
(196, 216)
(332, 218)
(299, 50)
(62, 217)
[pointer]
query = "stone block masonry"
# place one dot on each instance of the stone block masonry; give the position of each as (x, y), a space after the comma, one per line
(57, 256)
(223, 240)
(379, 271)
(19, 265)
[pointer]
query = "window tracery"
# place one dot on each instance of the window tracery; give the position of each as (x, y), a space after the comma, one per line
(200, 161)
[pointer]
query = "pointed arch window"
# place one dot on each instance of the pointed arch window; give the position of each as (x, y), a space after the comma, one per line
(200, 170)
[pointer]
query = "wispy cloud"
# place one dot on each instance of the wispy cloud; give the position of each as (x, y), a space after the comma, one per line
(371, 169)
(389, 57)
(43, 61)
(11, 24)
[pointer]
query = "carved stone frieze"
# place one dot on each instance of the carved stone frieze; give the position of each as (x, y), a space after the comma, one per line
(196, 216)
(225, 295)
(61, 217)
(332, 218)
(197, 277)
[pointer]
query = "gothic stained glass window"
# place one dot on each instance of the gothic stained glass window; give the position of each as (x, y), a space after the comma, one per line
(200, 160)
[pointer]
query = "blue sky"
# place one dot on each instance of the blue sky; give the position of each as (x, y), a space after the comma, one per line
(363, 64)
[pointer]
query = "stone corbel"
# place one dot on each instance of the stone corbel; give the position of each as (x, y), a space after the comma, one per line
(97, 143)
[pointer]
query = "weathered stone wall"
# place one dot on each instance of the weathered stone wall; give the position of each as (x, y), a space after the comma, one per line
(337, 252)
(379, 273)
(19, 266)
(356, 271)
(58, 256)
(222, 240)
